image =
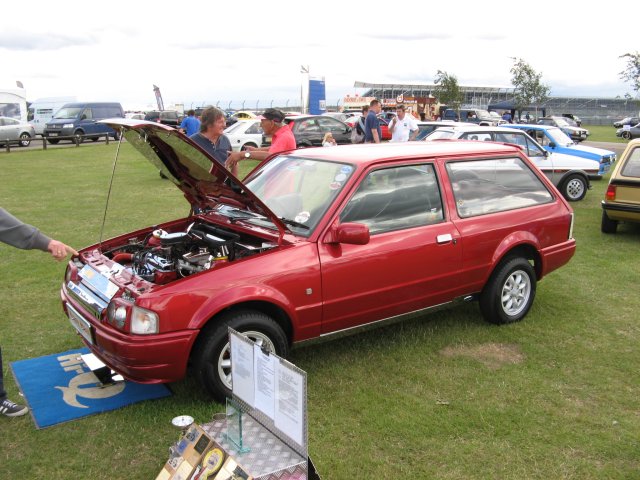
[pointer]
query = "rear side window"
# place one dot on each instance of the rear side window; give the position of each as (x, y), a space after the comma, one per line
(632, 166)
(396, 198)
(106, 112)
(490, 186)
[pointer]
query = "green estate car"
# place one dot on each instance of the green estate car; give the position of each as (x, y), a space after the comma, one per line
(622, 199)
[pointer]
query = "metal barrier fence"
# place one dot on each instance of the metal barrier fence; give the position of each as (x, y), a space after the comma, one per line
(77, 140)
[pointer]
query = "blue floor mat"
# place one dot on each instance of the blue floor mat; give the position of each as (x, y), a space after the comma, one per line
(59, 388)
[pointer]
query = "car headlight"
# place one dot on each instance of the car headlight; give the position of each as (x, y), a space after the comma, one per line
(143, 321)
(67, 125)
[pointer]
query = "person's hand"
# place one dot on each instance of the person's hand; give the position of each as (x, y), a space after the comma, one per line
(250, 148)
(232, 160)
(59, 250)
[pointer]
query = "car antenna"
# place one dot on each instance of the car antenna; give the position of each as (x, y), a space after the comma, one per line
(113, 171)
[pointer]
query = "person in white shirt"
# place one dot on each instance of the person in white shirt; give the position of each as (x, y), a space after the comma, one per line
(403, 126)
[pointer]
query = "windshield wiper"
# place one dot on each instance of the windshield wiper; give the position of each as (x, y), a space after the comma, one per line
(237, 214)
(293, 223)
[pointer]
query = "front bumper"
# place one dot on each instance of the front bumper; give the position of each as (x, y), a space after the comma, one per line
(157, 358)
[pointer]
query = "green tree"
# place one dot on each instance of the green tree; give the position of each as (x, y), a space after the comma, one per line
(631, 74)
(529, 90)
(447, 90)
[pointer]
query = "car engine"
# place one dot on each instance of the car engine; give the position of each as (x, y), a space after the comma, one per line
(163, 257)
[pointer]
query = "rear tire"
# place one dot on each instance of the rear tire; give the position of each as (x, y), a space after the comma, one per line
(25, 139)
(212, 356)
(574, 187)
(509, 292)
(607, 225)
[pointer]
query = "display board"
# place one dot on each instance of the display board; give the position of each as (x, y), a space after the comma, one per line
(270, 389)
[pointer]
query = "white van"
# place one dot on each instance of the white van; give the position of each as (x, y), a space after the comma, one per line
(43, 109)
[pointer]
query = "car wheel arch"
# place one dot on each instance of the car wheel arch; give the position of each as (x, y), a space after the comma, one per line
(520, 244)
(282, 312)
(248, 144)
(209, 357)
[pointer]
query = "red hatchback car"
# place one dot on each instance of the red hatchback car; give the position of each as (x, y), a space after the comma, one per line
(313, 243)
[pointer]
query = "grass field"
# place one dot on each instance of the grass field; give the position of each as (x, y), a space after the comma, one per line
(446, 396)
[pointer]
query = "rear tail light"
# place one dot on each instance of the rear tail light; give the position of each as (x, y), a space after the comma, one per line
(571, 225)
(611, 193)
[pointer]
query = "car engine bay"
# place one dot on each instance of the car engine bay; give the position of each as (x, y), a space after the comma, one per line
(162, 257)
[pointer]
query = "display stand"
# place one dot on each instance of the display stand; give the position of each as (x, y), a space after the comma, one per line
(271, 427)
(263, 433)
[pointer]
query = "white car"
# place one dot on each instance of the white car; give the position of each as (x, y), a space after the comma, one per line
(569, 173)
(244, 133)
(14, 130)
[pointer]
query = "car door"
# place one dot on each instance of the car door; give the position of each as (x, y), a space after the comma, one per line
(412, 260)
(340, 131)
(87, 121)
(9, 129)
(307, 133)
(533, 150)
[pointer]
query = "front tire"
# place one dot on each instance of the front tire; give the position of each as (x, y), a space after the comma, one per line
(574, 187)
(626, 135)
(607, 225)
(53, 141)
(509, 293)
(78, 137)
(212, 354)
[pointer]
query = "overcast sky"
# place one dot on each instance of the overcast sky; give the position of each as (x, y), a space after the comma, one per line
(204, 52)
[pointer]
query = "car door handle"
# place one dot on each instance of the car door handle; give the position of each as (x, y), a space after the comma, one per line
(445, 238)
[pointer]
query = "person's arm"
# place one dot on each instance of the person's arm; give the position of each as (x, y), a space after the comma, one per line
(27, 237)
(392, 124)
(374, 133)
(235, 157)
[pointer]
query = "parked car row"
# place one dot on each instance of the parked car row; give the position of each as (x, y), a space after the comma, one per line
(577, 134)
(312, 244)
(631, 121)
(172, 118)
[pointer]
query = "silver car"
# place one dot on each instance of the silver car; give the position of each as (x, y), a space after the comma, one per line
(12, 129)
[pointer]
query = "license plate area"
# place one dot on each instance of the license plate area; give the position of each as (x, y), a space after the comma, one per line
(82, 326)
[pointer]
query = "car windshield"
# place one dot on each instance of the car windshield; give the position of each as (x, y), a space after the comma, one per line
(561, 122)
(236, 126)
(482, 113)
(67, 113)
(559, 137)
(440, 133)
(298, 190)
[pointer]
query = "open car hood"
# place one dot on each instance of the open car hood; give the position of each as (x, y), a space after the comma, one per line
(204, 181)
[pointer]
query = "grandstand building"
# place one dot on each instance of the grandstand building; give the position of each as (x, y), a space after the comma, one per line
(592, 110)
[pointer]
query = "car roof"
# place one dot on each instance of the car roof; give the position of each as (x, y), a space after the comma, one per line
(532, 126)
(373, 153)
(472, 127)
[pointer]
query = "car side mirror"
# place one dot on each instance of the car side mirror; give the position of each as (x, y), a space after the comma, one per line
(349, 233)
(552, 144)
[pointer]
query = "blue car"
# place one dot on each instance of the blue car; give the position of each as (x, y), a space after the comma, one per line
(555, 140)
